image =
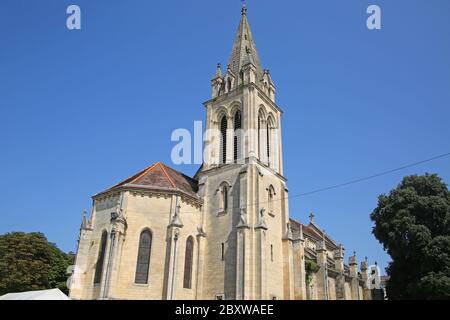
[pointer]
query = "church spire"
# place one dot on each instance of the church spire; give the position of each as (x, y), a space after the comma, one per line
(244, 48)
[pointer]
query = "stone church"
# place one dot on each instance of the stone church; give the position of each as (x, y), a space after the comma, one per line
(224, 234)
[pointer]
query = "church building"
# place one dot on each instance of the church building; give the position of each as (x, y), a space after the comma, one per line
(225, 233)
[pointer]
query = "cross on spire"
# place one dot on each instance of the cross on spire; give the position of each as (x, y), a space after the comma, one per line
(244, 8)
(311, 217)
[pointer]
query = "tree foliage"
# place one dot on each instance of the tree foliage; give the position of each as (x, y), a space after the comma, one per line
(311, 267)
(29, 262)
(413, 224)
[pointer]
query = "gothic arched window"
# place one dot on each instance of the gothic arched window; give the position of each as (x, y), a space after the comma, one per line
(188, 260)
(229, 85)
(143, 259)
(224, 198)
(101, 258)
(223, 139)
(237, 135)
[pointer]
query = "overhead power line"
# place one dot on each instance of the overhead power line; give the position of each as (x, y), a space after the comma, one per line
(371, 176)
(340, 185)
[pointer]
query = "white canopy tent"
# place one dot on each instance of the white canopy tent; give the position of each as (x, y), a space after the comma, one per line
(52, 294)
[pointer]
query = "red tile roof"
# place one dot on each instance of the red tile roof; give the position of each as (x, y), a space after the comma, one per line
(160, 176)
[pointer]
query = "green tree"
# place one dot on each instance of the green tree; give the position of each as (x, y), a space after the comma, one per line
(413, 224)
(29, 262)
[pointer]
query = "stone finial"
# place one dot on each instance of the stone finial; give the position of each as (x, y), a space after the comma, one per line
(261, 221)
(85, 223)
(243, 218)
(339, 253)
(200, 231)
(176, 234)
(244, 8)
(289, 234)
(365, 264)
(114, 216)
(301, 237)
(176, 220)
(352, 260)
(219, 70)
(321, 246)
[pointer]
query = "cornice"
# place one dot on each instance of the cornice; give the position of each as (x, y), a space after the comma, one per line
(235, 92)
(150, 191)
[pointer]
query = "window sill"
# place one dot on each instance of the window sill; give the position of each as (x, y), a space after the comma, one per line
(142, 285)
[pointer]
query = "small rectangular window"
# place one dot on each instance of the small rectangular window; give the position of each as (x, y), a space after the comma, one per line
(223, 252)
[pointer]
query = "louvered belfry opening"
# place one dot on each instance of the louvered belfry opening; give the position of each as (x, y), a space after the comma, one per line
(101, 258)
(237, 135)
(268, 141)
(223, 140)
(143, 259)
(259, 137)
(188, 259)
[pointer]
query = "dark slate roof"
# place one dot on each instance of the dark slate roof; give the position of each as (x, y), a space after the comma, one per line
(160, 177)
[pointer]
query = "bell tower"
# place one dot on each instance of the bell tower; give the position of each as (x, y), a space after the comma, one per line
(245, 211)
(243, 88)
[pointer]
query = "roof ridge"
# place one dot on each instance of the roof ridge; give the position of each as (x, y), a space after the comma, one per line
(144, 172)
(162, 166)
(163, 176)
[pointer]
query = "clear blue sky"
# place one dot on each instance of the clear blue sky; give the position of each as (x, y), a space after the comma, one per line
(81, 110)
